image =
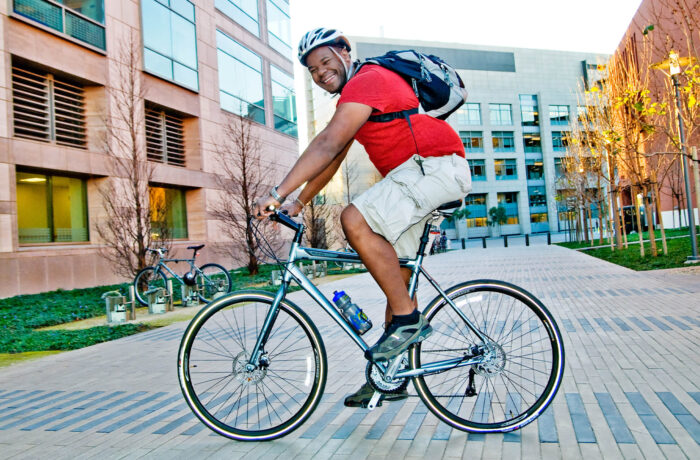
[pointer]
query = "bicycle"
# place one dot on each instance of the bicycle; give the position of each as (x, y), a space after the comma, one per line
(210, 280)
(252, 365)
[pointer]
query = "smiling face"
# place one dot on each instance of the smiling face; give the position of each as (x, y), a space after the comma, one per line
(326, 68)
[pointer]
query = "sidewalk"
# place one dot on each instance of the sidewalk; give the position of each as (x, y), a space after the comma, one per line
(630, 386)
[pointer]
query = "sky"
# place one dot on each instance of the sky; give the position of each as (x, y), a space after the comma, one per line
(582, 25)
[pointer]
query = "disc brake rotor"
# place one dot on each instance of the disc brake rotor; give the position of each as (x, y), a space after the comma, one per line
(243, 375)
(494, 360)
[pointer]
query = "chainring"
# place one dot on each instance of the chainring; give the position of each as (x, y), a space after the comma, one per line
(375, 378)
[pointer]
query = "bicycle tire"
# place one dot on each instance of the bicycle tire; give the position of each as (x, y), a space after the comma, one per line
(207, 285)
(524, 371)
(217, 341)
(146, 279)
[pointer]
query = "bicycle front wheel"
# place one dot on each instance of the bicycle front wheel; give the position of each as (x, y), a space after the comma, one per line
(147, 279)
(520, 363)
(247, 402)
(213, 281)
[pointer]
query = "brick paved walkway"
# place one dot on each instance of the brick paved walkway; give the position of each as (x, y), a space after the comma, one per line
(630, 387)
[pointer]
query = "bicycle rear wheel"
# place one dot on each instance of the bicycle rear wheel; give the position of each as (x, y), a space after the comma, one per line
(213, 281)
(251, 403)
(147, 279)
(522, 359)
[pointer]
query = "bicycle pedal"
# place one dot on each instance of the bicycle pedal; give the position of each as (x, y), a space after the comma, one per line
(375, 401)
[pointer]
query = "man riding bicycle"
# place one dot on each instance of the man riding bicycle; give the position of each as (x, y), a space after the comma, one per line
(423, 166)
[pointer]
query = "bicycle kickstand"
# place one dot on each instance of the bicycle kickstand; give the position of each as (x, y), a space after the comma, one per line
(375, 399)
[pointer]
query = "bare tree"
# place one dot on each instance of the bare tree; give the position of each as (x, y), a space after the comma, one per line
(242, 178)
(132, 223)
(320, 219)
(351, 174)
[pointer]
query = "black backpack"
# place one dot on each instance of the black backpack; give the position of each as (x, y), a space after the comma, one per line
(438, 87)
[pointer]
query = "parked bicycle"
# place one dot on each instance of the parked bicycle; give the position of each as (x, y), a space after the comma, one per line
(209, 280)
(252, 366)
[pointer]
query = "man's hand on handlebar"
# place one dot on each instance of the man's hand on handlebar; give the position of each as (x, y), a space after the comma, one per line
(264, 206)
(292, 209)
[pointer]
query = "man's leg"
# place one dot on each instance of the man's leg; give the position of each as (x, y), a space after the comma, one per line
(380, 258)
(407, 325)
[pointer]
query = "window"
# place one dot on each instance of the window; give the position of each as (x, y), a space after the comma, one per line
(582, 113)
(500, 114)
(476, 205)
(165, 139)
(535, 170)
(559, 114)
(168, 212)
(503, 141)
(240, 79)
(538, 218)
(509, 200)
(48, 108)
(529, 111)
(279, 31)
(51, 209)
(284, 102)
(170, 41)
(505, 169)
(478, 169)
(532, 142)
(473, 140)
(244, 12)
(560, 140)
(559, 172)
(469, 114)
(537, 196)
(80, 19)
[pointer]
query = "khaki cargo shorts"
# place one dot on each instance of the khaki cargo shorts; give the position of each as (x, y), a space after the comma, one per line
(399, 205)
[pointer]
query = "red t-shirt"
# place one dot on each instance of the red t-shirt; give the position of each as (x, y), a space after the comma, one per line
(389, 144)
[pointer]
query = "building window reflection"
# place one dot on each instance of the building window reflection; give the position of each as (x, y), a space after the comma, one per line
(506, 169)
(560, 140)
(244, 12)
(469, 114)
(477, 169)
(503, 141)
(473, 141)
(500, 114)
(170, 41)
(168, 212)
(51, 209)
(279, 32)
(559, 114)
(529, 110)
(240, 79)
(284, 101)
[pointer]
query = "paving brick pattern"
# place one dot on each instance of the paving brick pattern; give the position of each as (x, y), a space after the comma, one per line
(630, 387)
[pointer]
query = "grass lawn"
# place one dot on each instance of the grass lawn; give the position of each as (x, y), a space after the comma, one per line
(35, 325)
(678, 250)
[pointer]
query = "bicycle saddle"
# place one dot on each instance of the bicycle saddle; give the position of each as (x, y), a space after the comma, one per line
(450, 205)
(196, 248)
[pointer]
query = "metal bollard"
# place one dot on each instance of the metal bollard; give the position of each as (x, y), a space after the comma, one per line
(505, 241)
(527, 240)
(549, 238)
(464, 244)
(483, 241)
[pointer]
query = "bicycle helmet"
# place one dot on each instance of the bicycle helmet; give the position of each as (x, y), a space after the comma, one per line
(320, 37)
(190, 278)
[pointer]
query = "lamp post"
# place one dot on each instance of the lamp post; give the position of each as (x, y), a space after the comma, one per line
(673, 65)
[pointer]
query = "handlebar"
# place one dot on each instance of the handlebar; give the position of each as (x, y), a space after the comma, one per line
(285, 220)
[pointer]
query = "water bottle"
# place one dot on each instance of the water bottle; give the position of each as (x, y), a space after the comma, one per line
(352, 313)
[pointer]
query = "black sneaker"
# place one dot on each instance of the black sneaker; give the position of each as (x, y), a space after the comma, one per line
(362, 397)
(397, 339)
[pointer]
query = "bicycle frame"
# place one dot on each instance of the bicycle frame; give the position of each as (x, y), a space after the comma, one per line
(292, 272)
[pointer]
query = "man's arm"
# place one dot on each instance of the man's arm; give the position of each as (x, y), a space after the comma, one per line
(323, 150)
(316, 184)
